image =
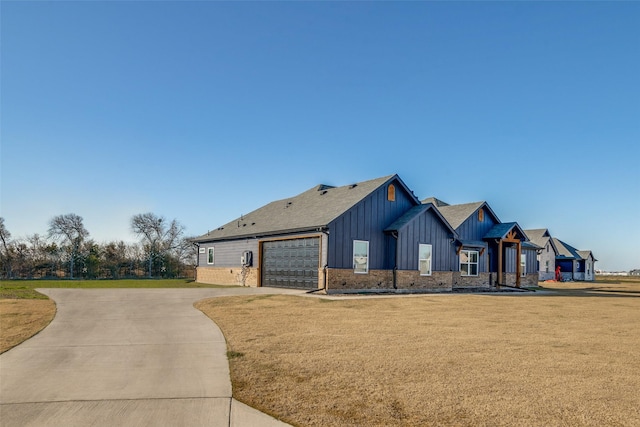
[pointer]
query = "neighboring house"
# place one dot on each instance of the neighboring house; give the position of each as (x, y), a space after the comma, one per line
(574, 264)
(489, 252)
(546, 258)
(586, 265)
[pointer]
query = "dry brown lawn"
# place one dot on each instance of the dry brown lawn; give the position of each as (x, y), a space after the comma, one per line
(567, 358)
(20, 319)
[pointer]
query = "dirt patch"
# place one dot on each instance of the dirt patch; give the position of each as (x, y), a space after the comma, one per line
(481, 360)
(20, 319)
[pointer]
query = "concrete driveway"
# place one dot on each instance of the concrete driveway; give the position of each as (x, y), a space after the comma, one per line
(129, 357)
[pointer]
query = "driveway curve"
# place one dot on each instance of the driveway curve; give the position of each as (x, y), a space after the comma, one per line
(130, 357)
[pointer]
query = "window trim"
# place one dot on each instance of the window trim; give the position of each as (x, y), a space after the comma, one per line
(523, 265)
(211, 255)
(430, 259)
(477, 263)
(356, 271)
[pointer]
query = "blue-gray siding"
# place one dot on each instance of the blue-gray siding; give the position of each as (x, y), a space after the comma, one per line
(228, 254)
(473, 229)
(511, 259)
(366, 221)
(428, 229)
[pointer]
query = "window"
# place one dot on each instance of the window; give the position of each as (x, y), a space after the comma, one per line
(546, 266)
(360, 256)
(424, 259)
(210, 255)
(523, 265)
(469, 263)
(391, 193)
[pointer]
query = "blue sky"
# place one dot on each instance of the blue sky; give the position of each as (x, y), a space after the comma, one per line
(203, 111)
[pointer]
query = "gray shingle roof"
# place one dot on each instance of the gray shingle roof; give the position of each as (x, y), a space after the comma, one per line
(499, 231)
(457, 214)
(314, 208)
(539, 236)
(413, 213)
(565, 250)
(435, 202)
(585, 255)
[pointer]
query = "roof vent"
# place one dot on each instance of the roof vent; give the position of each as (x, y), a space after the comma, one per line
(323, 192)
(353, 186)
(324, 187)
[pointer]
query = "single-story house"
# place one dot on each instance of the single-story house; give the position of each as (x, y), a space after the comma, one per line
(546, 258)
(502, 251)
(374, 235)
(574, 264)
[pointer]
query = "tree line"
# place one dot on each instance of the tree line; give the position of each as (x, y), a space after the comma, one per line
(67, 251)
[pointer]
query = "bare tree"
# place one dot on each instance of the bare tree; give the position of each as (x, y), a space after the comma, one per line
(70, 229)
(5, 252)
(159, 237)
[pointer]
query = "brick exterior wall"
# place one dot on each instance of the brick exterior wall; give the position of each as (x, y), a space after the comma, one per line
(529, 281)
(227, 276)
(412, 280)
(343, 280)
(339, 280)
(479, 281)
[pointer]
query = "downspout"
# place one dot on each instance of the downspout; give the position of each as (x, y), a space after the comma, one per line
(324, 268)
(395, 258)
(324, 280)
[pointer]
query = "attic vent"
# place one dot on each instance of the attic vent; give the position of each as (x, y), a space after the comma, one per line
(353, 186)
(391, 193)
(324, 187)
(323, 192)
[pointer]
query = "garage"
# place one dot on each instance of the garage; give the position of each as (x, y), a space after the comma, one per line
(291, 263)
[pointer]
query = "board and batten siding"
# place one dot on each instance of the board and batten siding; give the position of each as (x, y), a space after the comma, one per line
(547, 258)
(228, 253)
(366, 221)
(427, 229)
(473, 229)
(511, 259)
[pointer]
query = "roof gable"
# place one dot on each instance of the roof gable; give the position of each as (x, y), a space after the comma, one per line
(500, 231)
(539, 236)
(586, 254)
(414, 213)
(314, 208)
(435, 201)
(564, 250)
(456, 215)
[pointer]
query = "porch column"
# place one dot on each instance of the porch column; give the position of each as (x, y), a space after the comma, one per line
(500, 262)
(519, 251)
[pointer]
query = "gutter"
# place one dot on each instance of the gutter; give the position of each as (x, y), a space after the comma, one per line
(259, 235)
